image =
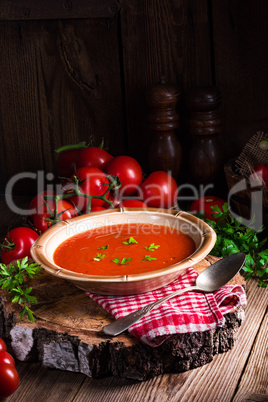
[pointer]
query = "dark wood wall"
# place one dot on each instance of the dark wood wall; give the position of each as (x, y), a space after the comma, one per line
(74, 69)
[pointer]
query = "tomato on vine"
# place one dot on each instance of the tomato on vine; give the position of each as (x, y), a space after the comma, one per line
(131, 203)
(87, 192)
(114, 199)
(17, 244)
(97, 209)
(93, 157)
(67, 158)
(129, 172)
(73, 157)
(53, 211)
(66, 163)
(38, 201)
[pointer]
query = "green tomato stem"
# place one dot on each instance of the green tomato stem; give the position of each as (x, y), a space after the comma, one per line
(114, 184)
(8, 244)
(81, 145)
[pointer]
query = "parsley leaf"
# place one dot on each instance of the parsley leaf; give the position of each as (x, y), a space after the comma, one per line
(99, 257)
(152, 247)
(13, 278)
(233, 237)
(103, 247)
(124, 261)
(148, 258)
(130, 240)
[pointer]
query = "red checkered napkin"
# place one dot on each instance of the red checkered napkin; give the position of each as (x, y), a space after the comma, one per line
(189, 312)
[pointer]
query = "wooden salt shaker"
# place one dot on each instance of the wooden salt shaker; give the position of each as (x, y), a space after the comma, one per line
(165, 149)
(205, 126)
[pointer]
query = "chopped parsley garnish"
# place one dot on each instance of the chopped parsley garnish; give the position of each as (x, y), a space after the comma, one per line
(99, 257)
(148, 258)
(124, 261)
(130, 240)
(104, 247)
(152, 247)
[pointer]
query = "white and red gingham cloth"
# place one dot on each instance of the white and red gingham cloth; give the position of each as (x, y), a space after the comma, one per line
(190, 312)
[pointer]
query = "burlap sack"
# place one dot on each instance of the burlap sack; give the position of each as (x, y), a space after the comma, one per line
(252, 155)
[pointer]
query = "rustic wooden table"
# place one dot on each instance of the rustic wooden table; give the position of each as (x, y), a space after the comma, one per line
(238, 375)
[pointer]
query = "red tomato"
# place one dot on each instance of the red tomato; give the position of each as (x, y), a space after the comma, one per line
(133, 204)
(9, 380)
(115, 199)
(93, 156)
(66, 162)
(48, 216)
(204, 204)
(17, 244)
(95, 183)
(261, 171)
(159, 190)
(129, 173)
(37, 201)
(5, 357)
(95, 209)
(3, 346)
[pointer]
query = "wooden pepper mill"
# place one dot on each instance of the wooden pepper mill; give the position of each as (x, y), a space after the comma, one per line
(205, 126)
(164, 149)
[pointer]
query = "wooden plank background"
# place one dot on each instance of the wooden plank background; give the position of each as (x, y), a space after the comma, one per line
(240, 37)
(57, 9)
(77, 69)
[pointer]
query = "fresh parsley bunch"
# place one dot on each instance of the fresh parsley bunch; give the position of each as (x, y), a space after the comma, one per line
(13, 279)
(233, 237)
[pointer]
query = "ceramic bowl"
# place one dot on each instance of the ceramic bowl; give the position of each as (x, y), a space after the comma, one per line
(203, 235)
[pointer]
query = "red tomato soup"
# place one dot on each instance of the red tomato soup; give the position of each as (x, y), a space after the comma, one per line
(123, 249)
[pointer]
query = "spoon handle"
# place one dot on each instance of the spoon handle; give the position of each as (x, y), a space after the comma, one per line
(119, 326)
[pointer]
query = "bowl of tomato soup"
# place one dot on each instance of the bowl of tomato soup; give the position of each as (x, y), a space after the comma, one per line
(124, 251)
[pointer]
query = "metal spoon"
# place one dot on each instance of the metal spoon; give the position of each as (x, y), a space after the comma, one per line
(211, 279)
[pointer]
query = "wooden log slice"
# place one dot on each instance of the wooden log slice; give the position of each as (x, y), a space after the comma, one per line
(67, 335)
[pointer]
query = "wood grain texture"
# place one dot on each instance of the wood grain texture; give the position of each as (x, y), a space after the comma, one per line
(254, 383)
(9, 219)
(216, 381)
(240, 39)
(224, 374)
(56, 9)
(67, 335)
(161, 39)
(56, 90)
(37, 383)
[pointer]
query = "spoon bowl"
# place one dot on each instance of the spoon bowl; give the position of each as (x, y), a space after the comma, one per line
(220, 273)
(211, 279)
